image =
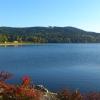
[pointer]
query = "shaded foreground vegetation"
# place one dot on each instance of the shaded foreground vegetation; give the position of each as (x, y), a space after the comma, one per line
(28, 91)
(47, 35)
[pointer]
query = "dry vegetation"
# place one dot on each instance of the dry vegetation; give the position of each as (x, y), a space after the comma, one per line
(27, 91)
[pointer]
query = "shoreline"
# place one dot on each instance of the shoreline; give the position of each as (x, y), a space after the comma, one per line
(14, 44)
(26, 90)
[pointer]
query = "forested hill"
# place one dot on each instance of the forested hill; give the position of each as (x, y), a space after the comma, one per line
(48, 35)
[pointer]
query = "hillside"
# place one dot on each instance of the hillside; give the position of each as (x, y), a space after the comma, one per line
(48, 35)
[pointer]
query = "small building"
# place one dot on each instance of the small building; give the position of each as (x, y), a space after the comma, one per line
(15, 41)
(5, 42)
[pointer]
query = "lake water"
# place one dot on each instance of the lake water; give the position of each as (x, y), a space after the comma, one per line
(56, 66)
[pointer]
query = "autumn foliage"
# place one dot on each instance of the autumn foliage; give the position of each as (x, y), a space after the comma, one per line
(24, 91)
(27, 91)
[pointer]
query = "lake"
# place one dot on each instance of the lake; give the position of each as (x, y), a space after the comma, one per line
(56, 66)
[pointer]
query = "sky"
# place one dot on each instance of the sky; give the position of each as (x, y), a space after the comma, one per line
(84, 14)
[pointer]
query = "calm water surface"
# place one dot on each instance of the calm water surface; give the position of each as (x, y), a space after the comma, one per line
(56, 66)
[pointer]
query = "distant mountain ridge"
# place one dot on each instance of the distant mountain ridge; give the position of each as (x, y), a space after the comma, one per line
(48, 35)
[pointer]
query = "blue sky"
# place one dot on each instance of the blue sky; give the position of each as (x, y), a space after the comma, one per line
(84, 14)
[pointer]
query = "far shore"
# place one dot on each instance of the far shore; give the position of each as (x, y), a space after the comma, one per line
(11, 43)
(31, 43)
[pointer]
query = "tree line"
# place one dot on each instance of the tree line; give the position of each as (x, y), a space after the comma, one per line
(48, 35)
